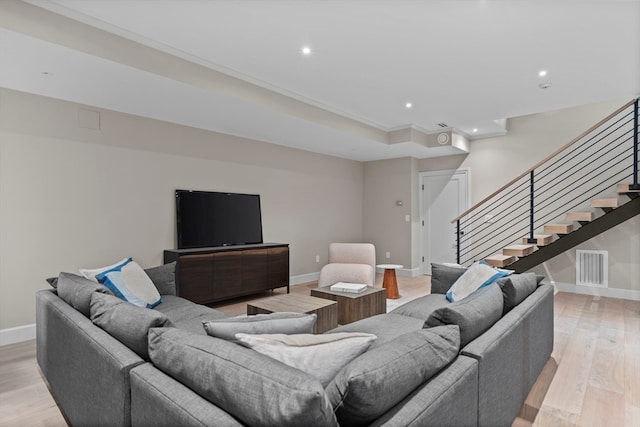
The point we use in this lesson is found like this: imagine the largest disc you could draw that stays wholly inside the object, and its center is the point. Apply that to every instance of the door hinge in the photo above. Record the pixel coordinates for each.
(422, 259)
(422, 187)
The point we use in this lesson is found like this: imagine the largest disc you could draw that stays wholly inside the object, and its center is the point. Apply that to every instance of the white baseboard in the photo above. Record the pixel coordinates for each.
(17, 334)
(304, 278)
(598, 291)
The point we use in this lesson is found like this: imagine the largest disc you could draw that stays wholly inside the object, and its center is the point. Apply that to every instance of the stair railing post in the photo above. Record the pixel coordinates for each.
(531, 206)
(635, 185)
(458, 241)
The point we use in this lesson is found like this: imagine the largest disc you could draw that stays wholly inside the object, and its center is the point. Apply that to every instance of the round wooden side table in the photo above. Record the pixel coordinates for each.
(389, 281)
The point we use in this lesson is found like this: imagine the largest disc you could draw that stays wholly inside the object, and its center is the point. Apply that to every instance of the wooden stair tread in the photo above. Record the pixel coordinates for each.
(500, 260)
(624, 188)
(519, 250)
(604, 203)
(558, 228)
(541, 239)
(579, 216)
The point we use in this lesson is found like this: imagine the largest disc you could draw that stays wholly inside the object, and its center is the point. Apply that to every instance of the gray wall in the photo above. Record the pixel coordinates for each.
(73, 197)
(530, 139)
(387, 182)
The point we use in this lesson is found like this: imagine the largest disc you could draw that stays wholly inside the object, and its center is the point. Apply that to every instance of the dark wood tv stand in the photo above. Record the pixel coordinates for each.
(205, 275)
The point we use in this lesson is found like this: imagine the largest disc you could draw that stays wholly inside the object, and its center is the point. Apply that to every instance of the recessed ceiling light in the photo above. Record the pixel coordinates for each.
(306, 50)
(475, 130)
(542, 73)
(408, 105)
(545, 85)
(47, 73)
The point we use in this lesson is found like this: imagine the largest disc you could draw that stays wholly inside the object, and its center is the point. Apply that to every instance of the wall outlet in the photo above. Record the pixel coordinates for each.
(388, 255)
(407, 218)
(317, 258)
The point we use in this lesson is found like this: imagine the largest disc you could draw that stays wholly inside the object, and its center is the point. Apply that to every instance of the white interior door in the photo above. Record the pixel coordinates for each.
(444, 197)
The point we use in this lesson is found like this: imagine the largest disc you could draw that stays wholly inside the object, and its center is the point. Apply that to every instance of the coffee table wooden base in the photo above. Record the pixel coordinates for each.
(326, 310)
(355, 306)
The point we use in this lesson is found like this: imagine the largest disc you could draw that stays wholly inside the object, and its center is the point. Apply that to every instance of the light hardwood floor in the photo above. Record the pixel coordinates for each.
(591, 379)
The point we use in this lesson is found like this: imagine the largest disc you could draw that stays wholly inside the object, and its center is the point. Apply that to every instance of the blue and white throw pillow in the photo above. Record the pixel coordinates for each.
(128, 281)
(480, 274)
(91, 273)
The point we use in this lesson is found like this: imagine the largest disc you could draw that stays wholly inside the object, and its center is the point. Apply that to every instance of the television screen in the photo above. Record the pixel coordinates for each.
(206, 219)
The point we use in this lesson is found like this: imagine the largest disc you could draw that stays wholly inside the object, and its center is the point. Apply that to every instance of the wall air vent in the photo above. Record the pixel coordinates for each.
(592, 268)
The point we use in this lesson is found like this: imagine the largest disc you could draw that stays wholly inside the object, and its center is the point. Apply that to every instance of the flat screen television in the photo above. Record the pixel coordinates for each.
(206, 219)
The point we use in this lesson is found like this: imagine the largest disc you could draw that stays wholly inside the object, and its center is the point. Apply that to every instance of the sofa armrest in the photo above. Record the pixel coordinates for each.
(72, 352)
(173, 403)
(450, 398)
(511, 355)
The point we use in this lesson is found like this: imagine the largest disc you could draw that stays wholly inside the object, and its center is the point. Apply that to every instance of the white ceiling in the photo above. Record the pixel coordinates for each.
(467, 64)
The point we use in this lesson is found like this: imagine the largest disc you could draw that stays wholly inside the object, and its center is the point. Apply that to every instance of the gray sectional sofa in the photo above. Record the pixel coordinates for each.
(470, 363)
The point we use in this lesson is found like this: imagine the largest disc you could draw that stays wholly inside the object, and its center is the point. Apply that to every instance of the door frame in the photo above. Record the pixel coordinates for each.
(462, 172)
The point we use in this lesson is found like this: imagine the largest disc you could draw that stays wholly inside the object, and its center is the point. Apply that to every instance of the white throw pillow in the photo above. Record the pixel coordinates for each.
(92, 273)
(480, 274)
(129, 282)
(319, 355)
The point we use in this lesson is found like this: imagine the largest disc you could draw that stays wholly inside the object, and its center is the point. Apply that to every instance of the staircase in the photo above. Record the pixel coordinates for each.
(524, 256)
(583, 189)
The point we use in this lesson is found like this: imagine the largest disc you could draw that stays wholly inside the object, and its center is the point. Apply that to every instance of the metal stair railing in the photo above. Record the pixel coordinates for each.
(587, 167)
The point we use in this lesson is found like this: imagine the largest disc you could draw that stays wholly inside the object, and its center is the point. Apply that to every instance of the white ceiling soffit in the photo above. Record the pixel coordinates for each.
(236, 66)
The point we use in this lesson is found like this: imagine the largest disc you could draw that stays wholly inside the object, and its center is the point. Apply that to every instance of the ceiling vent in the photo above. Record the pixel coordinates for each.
(443, 125)
(442, 138)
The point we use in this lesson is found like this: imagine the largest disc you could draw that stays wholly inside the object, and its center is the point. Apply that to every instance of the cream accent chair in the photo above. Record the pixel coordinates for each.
(351, 263)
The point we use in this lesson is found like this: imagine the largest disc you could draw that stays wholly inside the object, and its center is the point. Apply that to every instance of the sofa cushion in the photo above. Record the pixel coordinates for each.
(129, 282)
(474, 314)
(76, 291)
(421, 308)
(163, 278)
(274, 323)
(479, 275)
(319, 355)
(193, 324)
(375, 382)
(516, 288)
(179, 309)
(385, 326)
(255, 389)
(443, 276)
(126, 322)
